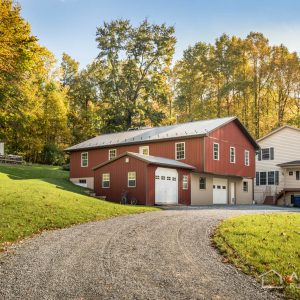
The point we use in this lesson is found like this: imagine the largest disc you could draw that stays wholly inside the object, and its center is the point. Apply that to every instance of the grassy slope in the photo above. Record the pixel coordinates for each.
(259, 243)
(33, 198)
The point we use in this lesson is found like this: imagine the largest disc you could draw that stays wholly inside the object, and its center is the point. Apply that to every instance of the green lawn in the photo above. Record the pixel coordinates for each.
(34, 198)
(259, 243)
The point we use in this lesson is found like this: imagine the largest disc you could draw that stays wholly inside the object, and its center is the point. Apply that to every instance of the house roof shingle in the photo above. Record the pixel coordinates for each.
(196, 128)
(290, 163)
(156, 160)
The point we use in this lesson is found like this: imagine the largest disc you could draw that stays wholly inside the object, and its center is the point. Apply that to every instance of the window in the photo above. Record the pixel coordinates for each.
(112, 153)
(247, 158)
(266, 154)
(263, 178)
(180, 150)
(232, 155)
(267, 178)
(105, 180)
(168, 177)
(216, 151)
(297, 175)
(144, 150)
(291, 173)
(257, 178)
(131, 179)
(271, 178)
(202, 183)
(163, 177)
(156, 176)
(185, 182)
(84, 159)
(245, 186)
(82, 181)
(173, 178)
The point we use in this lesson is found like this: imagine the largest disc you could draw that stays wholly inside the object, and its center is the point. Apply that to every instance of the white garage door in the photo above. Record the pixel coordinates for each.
(219, 191)
(166, 186)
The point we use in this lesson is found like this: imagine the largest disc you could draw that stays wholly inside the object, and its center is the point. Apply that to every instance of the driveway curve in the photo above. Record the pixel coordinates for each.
(157, 255)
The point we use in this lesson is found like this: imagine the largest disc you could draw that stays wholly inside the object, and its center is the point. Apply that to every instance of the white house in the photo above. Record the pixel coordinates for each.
(278, 167)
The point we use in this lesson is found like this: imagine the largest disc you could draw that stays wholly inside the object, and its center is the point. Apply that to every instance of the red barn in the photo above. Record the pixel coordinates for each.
(201, 162)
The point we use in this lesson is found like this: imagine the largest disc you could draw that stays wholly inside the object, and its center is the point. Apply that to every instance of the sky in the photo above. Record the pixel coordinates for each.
(70, 25)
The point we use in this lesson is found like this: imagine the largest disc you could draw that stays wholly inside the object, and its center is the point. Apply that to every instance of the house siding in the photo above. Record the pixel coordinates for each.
(286, 144)
(118, 180)
(228, 136)
(193, 155)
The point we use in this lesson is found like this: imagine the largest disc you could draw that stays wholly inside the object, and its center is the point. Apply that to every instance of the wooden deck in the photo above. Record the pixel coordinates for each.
(11, 159)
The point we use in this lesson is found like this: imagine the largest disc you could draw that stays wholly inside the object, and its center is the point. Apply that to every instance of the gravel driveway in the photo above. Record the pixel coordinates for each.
(157, 255)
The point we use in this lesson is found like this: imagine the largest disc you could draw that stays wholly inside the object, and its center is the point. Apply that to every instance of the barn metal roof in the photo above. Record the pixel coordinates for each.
(156, 160)
(196, 128)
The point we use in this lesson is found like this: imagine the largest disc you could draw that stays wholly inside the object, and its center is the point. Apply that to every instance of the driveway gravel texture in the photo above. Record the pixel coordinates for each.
(157, 255)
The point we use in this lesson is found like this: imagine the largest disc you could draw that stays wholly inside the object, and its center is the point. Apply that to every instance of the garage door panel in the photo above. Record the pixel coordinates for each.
(220, 191)
(166, 186)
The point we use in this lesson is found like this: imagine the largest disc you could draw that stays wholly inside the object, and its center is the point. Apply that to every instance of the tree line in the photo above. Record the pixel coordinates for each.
(133, 82)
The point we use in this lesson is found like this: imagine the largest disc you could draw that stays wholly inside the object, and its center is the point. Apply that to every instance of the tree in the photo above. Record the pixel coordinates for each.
(137, 65)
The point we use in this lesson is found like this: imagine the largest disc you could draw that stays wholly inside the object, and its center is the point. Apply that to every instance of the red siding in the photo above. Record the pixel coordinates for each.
(227, 136)
(144, 191)
(193, 155)
(118, 180)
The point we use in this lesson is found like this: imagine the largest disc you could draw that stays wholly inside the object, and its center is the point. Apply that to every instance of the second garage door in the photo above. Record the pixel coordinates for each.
(219, 191)
(166, 186)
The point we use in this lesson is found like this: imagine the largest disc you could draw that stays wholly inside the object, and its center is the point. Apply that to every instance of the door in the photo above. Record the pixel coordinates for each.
(232, 192)
(219, 191)
(166, 186)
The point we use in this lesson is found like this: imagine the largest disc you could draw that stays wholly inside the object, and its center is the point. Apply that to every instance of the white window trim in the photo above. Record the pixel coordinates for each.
(141, 148)
(109, 151)
(105, 187)
(87, 159)
(131, 186)
(187, 182)
(234, 160)
(183, 151)
(218, 151)
(247, 162)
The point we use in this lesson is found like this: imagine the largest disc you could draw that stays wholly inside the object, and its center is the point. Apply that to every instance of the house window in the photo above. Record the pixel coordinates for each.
(131, 179)
(185, 182)
(291, 173)
(297, 175)
(84, 159)
(247, 158)
(82, 181)
(232, 155)
(144, 150)
(112, 153)
(263, 178)
(105, 180)
(266, 154)
(202, 183)
(271, 178)
(180, 150)
(245, 186)
(257, 178)
(216, 151)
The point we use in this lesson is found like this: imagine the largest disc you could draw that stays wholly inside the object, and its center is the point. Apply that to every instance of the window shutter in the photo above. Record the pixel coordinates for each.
(272, 153)
(276, 177)
(257, 178)
(259, 154)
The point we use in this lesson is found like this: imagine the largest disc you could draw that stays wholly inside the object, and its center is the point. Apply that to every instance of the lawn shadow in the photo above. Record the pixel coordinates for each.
(50, 174)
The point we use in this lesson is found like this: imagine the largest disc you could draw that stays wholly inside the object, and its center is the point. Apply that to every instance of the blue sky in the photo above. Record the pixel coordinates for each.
(70, 25)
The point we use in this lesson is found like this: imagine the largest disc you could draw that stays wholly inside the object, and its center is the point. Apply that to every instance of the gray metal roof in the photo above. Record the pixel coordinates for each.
(161, 160)
(156, 160)
(196, 128)
(290, 163)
